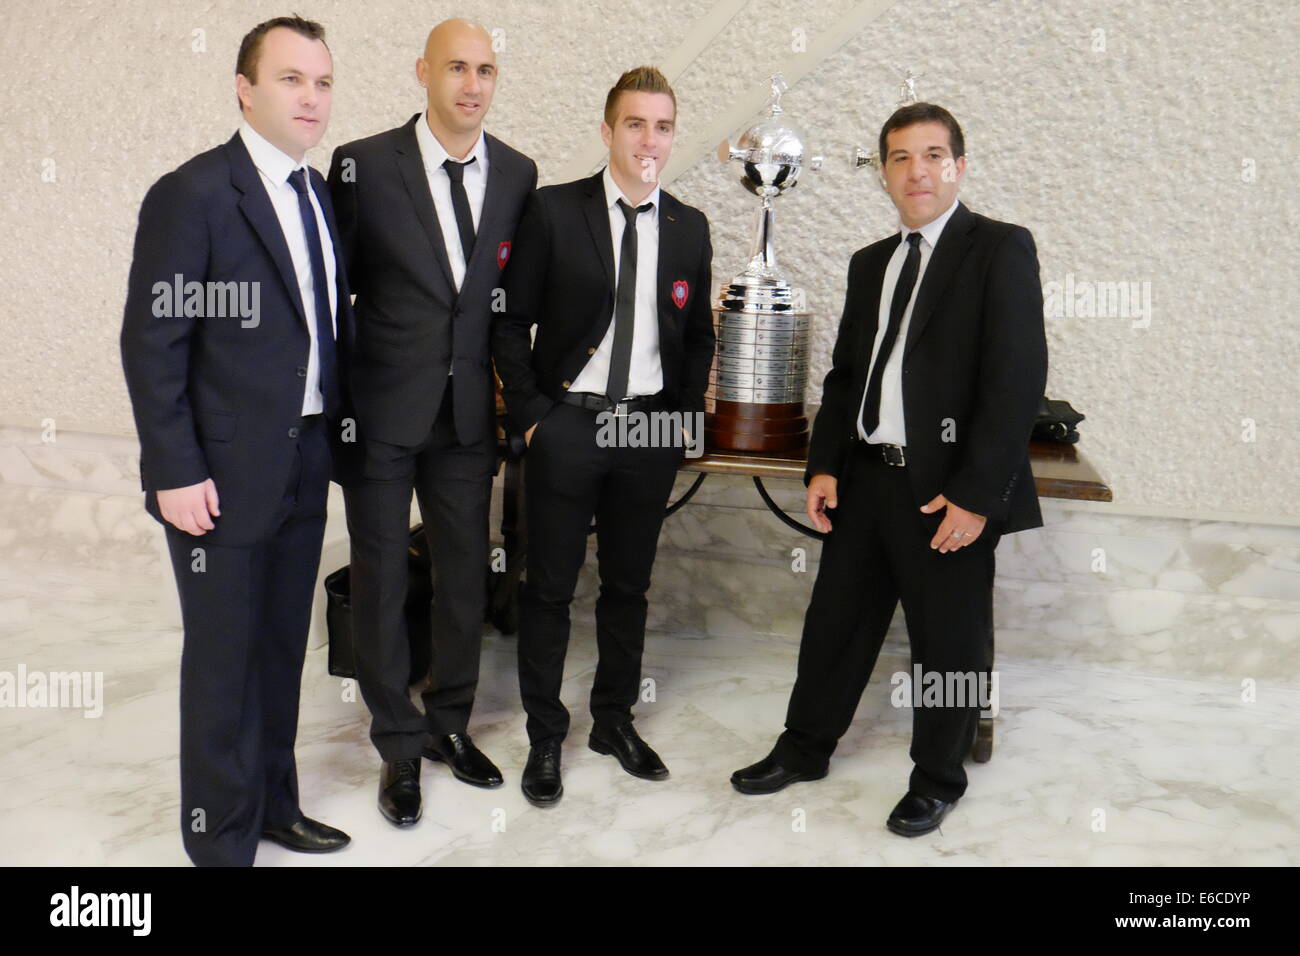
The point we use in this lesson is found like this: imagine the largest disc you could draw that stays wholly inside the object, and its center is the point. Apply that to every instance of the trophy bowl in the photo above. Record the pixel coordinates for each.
(772, 154)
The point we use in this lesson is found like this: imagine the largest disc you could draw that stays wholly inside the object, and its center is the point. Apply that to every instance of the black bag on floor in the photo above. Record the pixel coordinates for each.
(419, 613)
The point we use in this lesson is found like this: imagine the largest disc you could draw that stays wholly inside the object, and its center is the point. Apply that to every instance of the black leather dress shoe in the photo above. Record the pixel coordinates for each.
(917, 814)
(399, 792)
(307, 836)
(468, 764)
(768, 776)
(633, 753)
(541, 783)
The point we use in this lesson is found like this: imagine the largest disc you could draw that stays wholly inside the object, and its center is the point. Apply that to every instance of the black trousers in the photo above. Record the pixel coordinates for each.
(877, 553)
(246, 613)
(453, 483)
(569, 481)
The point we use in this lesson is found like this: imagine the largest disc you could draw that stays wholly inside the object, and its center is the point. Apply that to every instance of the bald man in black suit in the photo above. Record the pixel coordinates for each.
(427, 213)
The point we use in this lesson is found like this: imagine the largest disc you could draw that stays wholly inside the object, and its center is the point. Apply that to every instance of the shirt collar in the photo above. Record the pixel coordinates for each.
(931, 230)
(432, 152)
(271, 161)
(613, 194)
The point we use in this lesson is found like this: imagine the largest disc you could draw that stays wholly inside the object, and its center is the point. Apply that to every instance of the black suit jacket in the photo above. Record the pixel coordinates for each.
(561, 279)
(975, 354)
(412, 326)
(211, 398)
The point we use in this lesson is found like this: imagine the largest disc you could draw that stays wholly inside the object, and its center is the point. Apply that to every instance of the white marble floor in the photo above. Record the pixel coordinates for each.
(1092, 765)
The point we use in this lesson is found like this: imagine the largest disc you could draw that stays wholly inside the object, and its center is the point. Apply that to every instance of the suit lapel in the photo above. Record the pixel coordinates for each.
(870, 326)
(321, 188)
(487, 216)
(411, 165)
(597, 215)
(667, 270)
(256, 207)
(954, 242)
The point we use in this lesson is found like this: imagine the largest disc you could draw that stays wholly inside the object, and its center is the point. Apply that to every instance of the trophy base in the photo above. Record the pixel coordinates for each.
(746, 426)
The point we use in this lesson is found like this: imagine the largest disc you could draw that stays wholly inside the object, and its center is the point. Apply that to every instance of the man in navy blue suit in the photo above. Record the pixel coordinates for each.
(237, 318)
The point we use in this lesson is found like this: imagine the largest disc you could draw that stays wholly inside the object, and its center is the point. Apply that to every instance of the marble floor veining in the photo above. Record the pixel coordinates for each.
(1093, 764)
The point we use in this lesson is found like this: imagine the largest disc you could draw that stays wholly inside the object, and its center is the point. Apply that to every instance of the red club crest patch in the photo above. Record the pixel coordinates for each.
(680, 291)
(503, 254)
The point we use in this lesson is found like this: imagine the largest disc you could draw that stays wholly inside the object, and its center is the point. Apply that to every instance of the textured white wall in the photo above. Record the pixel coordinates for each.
(1123, 151)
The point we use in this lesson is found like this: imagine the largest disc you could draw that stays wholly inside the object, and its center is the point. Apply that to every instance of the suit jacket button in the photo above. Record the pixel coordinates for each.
(565, 384)
(293, 432)
(302, 371)
(591, 351)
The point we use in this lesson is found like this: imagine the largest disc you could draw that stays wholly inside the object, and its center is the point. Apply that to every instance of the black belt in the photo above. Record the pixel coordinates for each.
(889, 454)
(600, 403)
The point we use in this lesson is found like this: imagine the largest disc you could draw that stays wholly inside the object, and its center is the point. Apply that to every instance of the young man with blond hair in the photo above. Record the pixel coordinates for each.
(614, 274)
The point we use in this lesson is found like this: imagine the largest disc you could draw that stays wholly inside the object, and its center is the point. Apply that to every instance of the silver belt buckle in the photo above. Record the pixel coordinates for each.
(620, 409)
(888, 451)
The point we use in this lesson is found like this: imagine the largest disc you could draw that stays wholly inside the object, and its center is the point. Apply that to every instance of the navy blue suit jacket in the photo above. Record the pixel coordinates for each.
(217, 397)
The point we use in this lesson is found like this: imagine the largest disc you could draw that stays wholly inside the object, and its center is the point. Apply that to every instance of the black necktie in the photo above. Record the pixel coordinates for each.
(897, 306)
(460, 205)
(329, 381)
(620, 361)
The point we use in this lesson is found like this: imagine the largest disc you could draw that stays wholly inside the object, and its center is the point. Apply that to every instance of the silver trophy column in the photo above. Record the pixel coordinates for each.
(760, 371)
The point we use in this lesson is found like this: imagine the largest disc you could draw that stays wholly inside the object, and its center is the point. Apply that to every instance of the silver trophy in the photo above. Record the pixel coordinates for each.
(761, 321)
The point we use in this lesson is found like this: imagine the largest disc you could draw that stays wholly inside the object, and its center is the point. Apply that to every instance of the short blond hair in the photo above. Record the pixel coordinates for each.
(640, 79)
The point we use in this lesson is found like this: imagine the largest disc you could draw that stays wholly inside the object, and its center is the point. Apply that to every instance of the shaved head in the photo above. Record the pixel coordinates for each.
(459, 71)
(447, 32)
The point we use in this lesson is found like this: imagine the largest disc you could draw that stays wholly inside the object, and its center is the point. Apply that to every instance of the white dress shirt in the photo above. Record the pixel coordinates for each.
(475, 179)
(274, 166)
(646, 376)
(892, 429)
